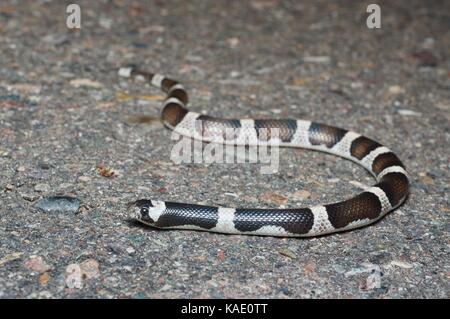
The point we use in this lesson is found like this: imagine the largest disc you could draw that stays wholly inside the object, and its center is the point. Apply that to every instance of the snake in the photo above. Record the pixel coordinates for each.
(368, 206)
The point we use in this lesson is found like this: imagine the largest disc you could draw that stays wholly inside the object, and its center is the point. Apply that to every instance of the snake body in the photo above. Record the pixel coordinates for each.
(389, 192)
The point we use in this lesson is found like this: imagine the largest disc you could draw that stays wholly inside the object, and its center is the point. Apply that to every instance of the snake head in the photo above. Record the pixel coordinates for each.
(140, 210)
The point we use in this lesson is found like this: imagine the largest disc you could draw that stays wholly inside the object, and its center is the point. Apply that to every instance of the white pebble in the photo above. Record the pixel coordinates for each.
(405, 112)
(42, 188)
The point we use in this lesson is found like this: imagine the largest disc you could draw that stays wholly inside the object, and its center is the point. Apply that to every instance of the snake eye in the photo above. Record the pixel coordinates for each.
(144, 211)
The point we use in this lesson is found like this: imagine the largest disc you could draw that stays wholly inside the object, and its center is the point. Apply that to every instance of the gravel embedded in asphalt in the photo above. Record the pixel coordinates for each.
(70, 126)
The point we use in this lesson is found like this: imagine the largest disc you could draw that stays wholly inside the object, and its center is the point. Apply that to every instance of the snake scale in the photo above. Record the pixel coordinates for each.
(370, 205)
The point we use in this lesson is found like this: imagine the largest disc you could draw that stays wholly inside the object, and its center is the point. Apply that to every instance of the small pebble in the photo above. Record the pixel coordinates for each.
(309, 268)
(301, 195)
(356, 85)
(37, 264)
(366, 268)
(273, 198)
(427, 180)
(29, 197)
(58, 204)
(130, 250)
(42, 188)
(85, 83)
(232, 194)
(10, 257)
(286, 252)
(221, 255)
(334, 180)
(90, 269)
(24, 88)
(358, 184)
(84, 179)
(408, 113)
(401, 264)
(128, 268)
(74, 276)
(166, 287)
(316, 59)
(44, 165)
(105, 23)
(396, 89)
(44, 278)
(233, 42)
(373, 281)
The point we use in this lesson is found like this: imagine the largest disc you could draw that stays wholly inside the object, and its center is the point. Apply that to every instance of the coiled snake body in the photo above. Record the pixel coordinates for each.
(363, 209)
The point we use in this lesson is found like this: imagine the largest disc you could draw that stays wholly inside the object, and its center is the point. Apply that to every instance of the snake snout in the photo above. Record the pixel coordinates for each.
(139, 210)
(133, 211)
